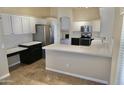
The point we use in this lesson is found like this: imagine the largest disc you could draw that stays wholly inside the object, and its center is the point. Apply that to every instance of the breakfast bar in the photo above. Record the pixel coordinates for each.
(91, 63)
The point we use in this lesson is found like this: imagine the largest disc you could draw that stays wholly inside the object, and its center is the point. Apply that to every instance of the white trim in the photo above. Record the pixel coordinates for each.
(2, 77)
(14, 64)
(122, 13)
(80, 76)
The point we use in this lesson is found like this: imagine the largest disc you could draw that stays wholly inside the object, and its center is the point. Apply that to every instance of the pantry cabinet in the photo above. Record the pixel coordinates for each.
(17, 24)
(6, 24)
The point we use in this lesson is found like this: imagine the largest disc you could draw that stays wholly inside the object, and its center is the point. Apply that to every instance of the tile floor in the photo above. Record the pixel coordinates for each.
(35, 74)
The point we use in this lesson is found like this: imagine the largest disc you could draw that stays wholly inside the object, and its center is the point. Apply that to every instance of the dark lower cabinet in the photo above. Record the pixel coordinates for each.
(85, 41)
(74, 41)
(32, 54)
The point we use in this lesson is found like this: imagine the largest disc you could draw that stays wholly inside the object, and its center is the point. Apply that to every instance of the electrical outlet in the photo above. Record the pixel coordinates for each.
(2, 46)
(67, 65)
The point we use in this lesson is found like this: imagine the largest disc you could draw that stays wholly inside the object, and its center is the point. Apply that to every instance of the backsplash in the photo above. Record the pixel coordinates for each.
(11, 41)
(76, 26)
(77, 34)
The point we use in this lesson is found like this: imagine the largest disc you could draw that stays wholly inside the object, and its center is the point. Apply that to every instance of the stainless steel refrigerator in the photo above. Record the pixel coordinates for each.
(44, 34)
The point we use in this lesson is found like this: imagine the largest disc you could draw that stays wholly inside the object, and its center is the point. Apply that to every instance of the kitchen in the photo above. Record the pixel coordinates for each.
(72, 36)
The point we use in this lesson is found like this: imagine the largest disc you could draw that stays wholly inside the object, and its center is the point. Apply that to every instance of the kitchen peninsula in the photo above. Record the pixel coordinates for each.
(91, 63)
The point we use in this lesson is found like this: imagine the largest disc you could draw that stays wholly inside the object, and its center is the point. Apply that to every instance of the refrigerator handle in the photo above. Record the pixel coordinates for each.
(44, 35)
(50, 35)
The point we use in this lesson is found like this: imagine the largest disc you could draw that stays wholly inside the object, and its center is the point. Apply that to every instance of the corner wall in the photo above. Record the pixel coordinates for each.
(4, 72)
(117, 35)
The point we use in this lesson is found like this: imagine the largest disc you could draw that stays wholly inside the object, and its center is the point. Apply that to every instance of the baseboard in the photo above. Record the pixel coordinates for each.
(14, 64)
(5, 76)
(79, 76)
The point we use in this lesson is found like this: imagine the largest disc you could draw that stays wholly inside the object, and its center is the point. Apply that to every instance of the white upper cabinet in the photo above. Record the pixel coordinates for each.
(65, 23)
(34, 21)
(6, 24)
(17, 24)
(14, 24)
(107, 16)
(122, 11)
(96, 25)
(26, 24)
(40, 21)
(32, 25)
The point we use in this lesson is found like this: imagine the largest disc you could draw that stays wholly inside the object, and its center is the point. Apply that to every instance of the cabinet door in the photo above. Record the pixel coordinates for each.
(96, 26)
(106, 21)
(32, 25)
(40, 21)
(6, 24)
(65, 23)
(26, 24)
(17, 24)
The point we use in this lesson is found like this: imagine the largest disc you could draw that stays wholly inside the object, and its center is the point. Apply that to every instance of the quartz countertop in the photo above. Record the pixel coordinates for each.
(14, 50)
(18, 49)
(94, 49)
(31, 43)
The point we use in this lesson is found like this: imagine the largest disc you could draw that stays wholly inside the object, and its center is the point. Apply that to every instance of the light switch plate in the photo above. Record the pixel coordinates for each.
(2, 46)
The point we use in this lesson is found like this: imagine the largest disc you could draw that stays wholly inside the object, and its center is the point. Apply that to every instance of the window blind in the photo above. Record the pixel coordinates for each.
(121, 58)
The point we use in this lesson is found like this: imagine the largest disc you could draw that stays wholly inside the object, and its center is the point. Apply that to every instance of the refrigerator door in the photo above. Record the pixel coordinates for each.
(52, 34)
(47, 34)
(39, 35)
(44, 34)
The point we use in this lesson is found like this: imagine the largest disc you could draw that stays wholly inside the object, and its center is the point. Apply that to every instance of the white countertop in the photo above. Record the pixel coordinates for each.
(31, 43)
(14, 50)
(18, 49)
(90, 50)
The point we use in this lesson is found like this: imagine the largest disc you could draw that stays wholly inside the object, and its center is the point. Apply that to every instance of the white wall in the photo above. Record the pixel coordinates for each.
(85, 14)
(80, 65)
(107, 16)
(11, 41)
(14, 40)
(107, 21)
(64, 12)
(76, 15)
(117, 33)
(3, 59)
(38, 12)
